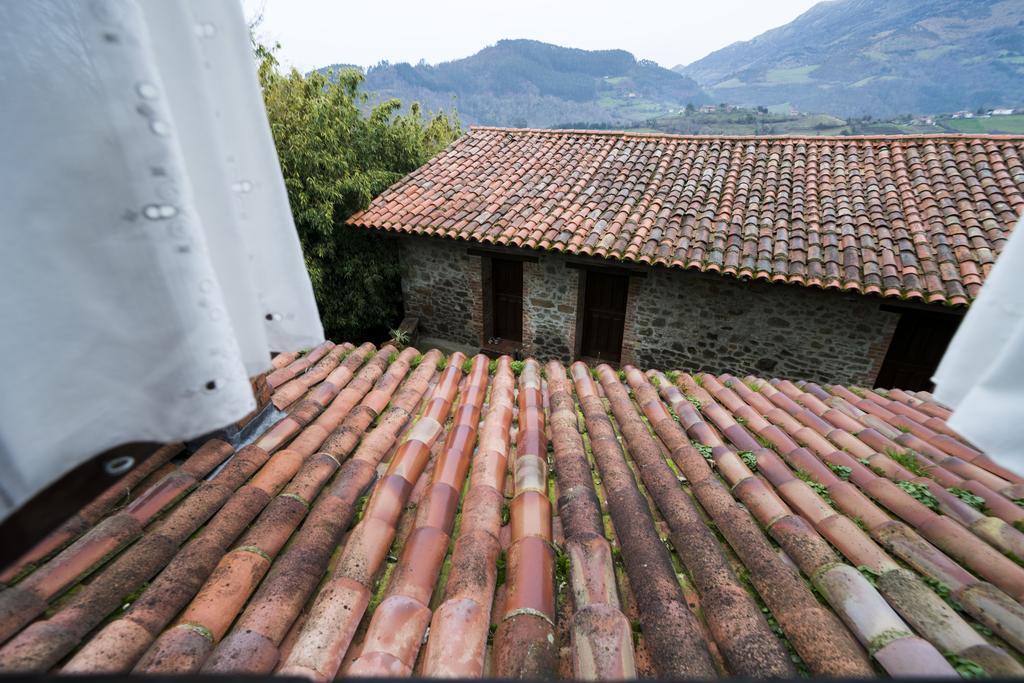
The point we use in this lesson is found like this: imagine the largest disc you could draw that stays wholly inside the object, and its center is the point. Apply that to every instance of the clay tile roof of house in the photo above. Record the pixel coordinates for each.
(915, 217)
(415, 514)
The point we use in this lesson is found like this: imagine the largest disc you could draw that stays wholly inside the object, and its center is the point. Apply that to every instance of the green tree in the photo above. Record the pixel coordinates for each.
(335, 159)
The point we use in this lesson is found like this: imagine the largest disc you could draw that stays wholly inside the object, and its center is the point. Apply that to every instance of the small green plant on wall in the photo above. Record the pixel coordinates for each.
(401, 338)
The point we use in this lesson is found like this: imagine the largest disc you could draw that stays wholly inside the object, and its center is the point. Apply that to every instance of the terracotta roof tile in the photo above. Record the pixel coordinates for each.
(594, 524)
(915, 217)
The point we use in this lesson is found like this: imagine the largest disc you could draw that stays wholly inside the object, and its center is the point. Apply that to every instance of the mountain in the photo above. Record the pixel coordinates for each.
(529, 83)
(879, 58)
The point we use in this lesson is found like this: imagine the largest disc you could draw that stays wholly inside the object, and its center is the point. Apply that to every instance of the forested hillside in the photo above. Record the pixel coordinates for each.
(878, 57)
(529, 83)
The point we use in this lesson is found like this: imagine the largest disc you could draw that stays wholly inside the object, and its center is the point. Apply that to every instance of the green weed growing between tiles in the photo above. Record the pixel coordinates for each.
(920, 493)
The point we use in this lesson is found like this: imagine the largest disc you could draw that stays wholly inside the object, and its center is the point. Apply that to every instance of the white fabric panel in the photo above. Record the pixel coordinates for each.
(130, 272)
(224, 78)
(204, 56)
(186, 92)
(981, 375)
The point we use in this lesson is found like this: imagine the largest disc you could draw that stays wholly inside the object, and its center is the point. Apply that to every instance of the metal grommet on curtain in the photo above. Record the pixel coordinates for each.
(119, 465)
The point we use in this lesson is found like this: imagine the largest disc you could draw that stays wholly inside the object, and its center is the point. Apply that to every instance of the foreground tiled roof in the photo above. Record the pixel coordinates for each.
(415, 514)
(915, 217)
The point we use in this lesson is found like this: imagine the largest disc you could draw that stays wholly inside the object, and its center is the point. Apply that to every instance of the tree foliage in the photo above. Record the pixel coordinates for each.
(335, 159)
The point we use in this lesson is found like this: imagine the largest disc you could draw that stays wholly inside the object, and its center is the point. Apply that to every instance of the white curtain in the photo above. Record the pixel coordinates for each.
(982, 374)
(148, 259)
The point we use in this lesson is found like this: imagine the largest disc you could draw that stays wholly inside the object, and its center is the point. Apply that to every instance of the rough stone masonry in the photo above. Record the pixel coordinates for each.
(674, 319)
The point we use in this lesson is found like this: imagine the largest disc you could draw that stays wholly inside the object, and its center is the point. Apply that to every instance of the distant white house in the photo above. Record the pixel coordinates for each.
(1001, 112)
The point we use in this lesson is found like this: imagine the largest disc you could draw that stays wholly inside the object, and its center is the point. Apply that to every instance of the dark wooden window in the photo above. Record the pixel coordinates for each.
(604, 315)
(916, 348)
(507, 299)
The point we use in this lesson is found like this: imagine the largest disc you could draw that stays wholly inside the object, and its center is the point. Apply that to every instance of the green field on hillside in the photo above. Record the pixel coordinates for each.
(1013, 124)
(782, 120)
(746, 122)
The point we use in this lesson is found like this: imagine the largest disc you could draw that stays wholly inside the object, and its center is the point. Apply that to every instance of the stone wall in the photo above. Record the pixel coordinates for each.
(674, 319)
(550, 297)
(441, 285)
(713, 323)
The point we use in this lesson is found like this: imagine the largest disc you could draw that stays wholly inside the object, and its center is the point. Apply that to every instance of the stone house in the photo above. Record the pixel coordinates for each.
(831, 259)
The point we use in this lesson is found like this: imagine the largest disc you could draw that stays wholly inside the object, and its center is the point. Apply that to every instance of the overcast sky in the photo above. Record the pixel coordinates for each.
(315, 33)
